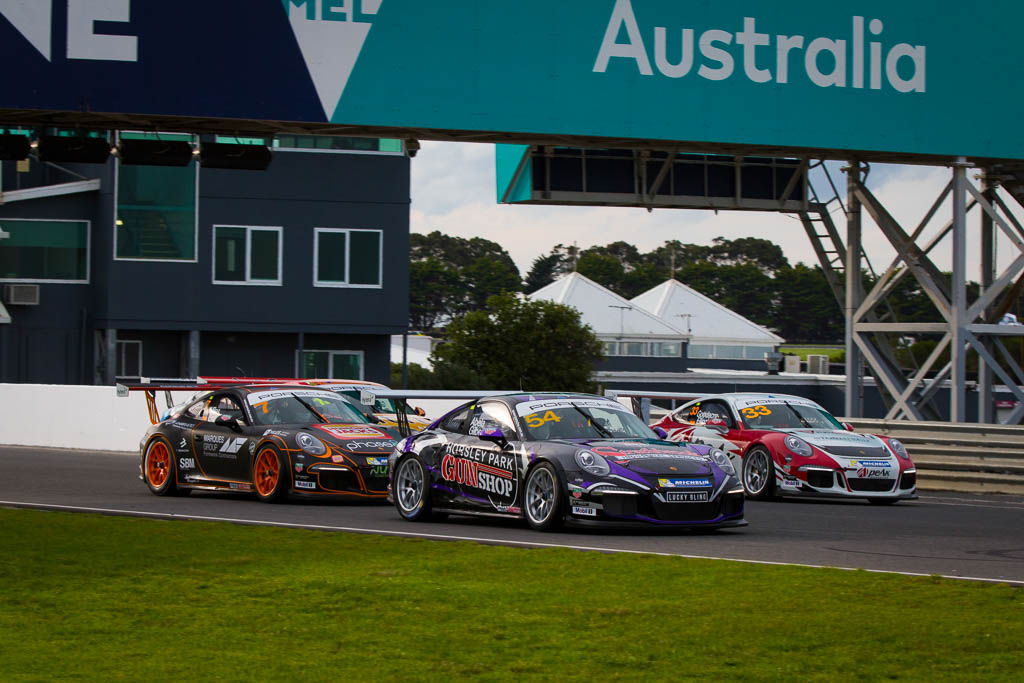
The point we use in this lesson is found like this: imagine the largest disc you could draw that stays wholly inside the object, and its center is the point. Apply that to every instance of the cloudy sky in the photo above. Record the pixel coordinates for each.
(453, 190)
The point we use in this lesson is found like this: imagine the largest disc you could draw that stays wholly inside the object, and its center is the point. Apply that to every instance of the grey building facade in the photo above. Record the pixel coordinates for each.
(300, 269)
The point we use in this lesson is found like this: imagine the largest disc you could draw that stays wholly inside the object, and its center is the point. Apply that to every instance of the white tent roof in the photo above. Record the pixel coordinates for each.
(709, 321)
(607, 313)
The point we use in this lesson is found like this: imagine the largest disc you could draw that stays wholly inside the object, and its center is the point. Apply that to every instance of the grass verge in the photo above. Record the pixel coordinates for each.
(100, 598)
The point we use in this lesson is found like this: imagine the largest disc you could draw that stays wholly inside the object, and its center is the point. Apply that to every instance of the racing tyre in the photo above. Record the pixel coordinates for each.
(543, 500)
(759, 474)
(883, 501)
(271, 477)
(160, 470)
(412, 491)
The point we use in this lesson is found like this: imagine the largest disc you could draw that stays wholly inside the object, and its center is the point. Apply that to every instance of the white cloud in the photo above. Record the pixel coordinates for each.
(453, 190)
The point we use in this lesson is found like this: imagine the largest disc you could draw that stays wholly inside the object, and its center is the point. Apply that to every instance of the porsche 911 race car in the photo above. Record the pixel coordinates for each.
(363, 394)
(788, 445)
(268, 440)
(560, 458)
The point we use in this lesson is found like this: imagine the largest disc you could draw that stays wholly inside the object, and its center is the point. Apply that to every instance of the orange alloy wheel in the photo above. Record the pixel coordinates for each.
(267, 472)
(158, 464)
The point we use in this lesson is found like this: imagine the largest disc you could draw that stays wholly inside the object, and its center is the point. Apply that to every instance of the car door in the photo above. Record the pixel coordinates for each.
(486, 473)
(223, 451)
(713, 424)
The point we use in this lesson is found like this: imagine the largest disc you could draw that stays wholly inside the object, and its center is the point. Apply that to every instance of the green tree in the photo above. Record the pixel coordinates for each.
(521, 344)
(806, 309)
(546, 269)
(764, 254)
(449, 276)
(604, 269)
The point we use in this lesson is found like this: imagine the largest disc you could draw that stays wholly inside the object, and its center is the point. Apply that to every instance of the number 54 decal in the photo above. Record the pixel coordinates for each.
(755, 411)
(536, 419)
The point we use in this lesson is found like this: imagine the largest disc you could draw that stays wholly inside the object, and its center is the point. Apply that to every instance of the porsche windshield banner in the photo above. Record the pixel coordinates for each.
(846, 75)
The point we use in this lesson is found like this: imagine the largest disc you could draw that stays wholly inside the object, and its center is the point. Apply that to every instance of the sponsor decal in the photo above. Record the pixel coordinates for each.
(351, 432)
(585, 511)
(867, 473)
(298, 467)
(682, 483)
(240, 486)
(382, 446)
(478, 468)
(789, 483)
(530, 407)
(376, 461)
(264, 396)
(686, 496)
(337, 458)
(234, 445)
(305, 485)
(186, 463)
(275, 432)
(216, 446)
(183, 444)
(577, 494)
(776, 402)
(180, 425)
(869, 463)
(645, 454)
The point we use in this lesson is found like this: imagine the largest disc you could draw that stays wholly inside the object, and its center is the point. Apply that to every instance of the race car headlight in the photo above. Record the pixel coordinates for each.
(798, 446)
(899, 449)
(310, 444)
(592, 463)
(723, 461)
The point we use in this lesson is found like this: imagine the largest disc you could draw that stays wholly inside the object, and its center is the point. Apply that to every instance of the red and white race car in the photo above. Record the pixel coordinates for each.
(788, 445)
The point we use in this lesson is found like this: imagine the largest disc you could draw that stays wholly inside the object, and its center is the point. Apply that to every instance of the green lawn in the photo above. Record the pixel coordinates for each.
(99, 598)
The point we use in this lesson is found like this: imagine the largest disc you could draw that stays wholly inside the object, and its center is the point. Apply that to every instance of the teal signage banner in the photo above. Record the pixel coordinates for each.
(936, 78)
(907, 77)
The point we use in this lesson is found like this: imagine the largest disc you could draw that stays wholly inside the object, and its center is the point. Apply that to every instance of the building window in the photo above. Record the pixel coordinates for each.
(667, 349)
(700, 351)
(332, 143)
(332, 364)
(156, 208)
(347, 258)
(756, 352)
(129, 358)
(727, 351)
(44, 251)
(246, 255)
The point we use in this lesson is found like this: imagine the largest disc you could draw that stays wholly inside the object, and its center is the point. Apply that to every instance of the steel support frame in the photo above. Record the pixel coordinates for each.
(962, 327)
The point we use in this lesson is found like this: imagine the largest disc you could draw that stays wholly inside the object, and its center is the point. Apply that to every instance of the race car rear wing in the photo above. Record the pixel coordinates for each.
(151, 385)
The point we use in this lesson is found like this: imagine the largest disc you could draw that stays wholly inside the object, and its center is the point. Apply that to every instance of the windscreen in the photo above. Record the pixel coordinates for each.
(580, 419)
(289, 406)
(787, 415)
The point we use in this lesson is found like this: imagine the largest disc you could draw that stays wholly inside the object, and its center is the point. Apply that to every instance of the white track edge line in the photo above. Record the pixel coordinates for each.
(490, 541)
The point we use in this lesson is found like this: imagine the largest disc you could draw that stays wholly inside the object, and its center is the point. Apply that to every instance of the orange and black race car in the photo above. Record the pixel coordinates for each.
(271, 440)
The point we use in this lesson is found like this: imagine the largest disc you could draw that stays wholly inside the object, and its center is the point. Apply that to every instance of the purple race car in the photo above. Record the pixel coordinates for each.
(557, 459)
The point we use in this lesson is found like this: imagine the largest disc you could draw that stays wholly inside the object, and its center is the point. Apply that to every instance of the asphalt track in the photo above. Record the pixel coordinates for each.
(956, 535)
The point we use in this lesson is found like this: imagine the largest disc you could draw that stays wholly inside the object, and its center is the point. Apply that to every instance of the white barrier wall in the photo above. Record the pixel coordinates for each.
(94, 418)
(63, 416)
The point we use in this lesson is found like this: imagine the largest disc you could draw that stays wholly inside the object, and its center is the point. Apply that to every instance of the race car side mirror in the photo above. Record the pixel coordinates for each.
(226, 421)
(419, 411)
(662, 434)
(717, 424)
(847, 426)
(494, 436)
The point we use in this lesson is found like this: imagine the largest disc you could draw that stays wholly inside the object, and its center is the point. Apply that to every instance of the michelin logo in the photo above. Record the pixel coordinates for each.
(330, 34)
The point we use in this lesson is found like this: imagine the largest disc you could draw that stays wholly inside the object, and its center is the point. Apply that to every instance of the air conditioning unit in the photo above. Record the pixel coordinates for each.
(817, 365)
(791, 364)
(21, 295)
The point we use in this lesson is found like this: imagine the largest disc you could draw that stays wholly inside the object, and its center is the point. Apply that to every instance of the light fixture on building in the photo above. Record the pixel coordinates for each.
(73, 149)
(155, 152)
(232, 156)
(13, 147)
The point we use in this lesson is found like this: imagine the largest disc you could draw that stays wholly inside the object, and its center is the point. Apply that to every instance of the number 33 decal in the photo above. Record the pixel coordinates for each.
(755, 411)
